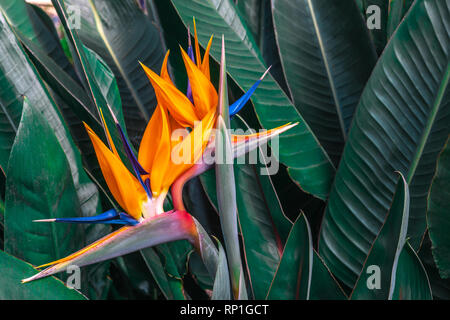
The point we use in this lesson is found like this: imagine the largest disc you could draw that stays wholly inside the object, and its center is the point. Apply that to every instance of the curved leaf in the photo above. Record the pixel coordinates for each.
(263, 224)
(327, 57)
(39, 186)
(411, 281)
(9, 121)
(299, 149)
(378, 16)
(401, 124)
(323, 285)
(13, 270)
(438, 213)
(28, 19)
(397, 10)
(18, 77)
(386, 249)
(97, 79)
(439, 287)
(294, 273)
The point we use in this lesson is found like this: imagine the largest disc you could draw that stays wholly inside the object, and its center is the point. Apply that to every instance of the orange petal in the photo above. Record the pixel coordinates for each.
(203, 92)
(205, 63)
(164, 72)
(194, 144)
(162, 156)
(169, 96)
(108, 135)
(125, 188)
(197, 47)
(150, 140)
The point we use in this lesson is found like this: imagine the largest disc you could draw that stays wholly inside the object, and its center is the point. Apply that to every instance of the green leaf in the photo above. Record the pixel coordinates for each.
(323, 285)
(378, 16)
(263, 224)
(411, 281)
(34, 24)
(98, 80)
(9, 121)
(299, 149)
(269, 48)
(13, 270)
(160, 266)
(385, 250)
(19, 77)
(294, 273)
(122, 35)
(251, 11)
(75, 104)
(199, 272)
(60, 82)
(325, 82)
(439, 287)
(39, 186)
(401, 124)
(221, 289)
(438, 213)
(397, 9)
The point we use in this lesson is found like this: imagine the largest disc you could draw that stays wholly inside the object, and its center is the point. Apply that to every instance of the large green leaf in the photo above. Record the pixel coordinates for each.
(396, 12)
(39, 186)
(38, 35)
(18, 77)
(294, 273)
(327, 56)
(263, 224)
(9, 121)
(122, 35)
(411, 279)
(323, 285)
(13, 270)
(268, 45)
(438, 213)
(378, 14)
(164, 272)
(97, 79)
(251, 12)
(29, 20)
(440, 287)
(299, 149)
(401, 124)
(386, 249)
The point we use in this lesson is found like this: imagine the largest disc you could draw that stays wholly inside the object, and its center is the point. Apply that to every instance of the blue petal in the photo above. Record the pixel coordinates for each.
(108, 217)
(238, 104)
(190, 53)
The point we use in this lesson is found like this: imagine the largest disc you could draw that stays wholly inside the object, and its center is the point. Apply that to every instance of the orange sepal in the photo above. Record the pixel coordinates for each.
(125, 188)
(170, 97)
(203, 92)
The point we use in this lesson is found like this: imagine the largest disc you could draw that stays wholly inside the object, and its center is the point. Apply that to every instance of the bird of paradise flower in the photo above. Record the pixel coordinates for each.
(141, 195)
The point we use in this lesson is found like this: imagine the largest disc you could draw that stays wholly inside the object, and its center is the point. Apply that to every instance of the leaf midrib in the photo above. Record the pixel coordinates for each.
(429, 125)
(117, 63)
(327, 68)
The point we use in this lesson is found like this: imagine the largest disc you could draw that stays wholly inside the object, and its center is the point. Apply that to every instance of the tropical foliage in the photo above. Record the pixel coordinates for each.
(350, 202)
